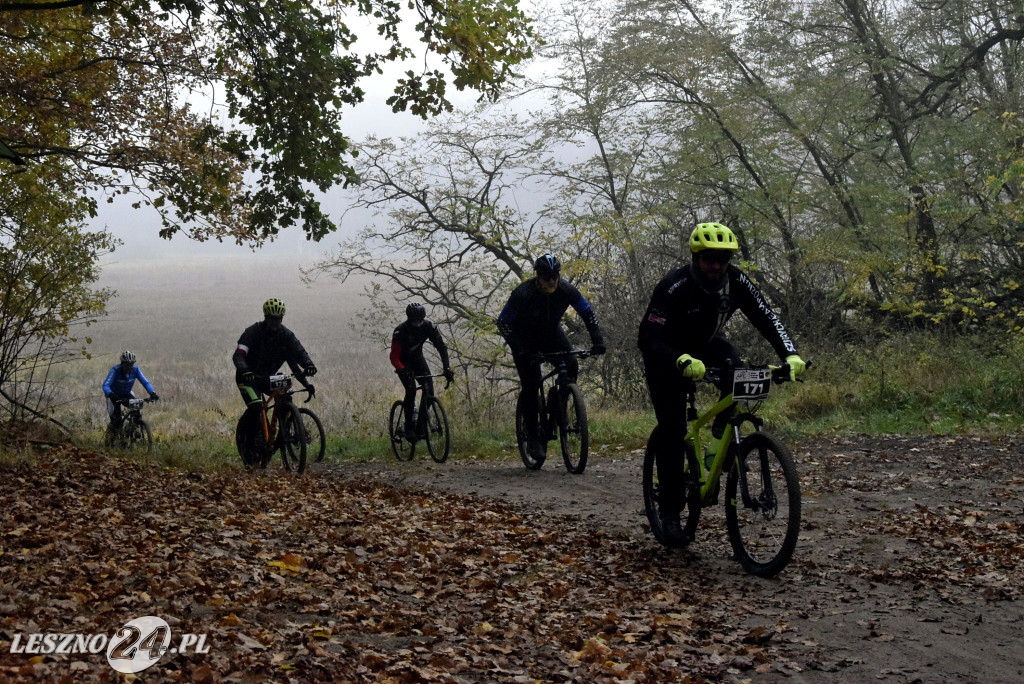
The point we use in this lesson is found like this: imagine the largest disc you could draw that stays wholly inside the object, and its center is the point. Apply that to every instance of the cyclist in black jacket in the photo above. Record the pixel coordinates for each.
(407, 358)
(531, 323)
(261, 350)
(681, 331)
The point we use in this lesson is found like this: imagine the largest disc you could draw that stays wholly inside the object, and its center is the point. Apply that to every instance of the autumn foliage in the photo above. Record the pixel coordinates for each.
(337, 577)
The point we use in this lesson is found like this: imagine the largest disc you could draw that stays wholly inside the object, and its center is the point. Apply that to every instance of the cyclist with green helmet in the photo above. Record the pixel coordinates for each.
(681, 331)
(261, 350)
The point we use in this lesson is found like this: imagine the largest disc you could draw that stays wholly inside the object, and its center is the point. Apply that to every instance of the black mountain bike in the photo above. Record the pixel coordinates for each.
(133, 432)
(562, 415)
(431, 425)
(281, 427)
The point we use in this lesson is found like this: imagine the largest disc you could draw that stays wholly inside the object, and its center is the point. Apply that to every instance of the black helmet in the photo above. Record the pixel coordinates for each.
(415, 312)
(547, 265)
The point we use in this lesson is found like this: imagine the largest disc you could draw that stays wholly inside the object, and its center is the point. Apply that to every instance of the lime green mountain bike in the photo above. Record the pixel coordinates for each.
(762, 490)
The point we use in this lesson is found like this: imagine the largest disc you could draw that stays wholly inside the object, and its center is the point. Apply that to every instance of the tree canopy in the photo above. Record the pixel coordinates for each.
(868, 156)
(226, 116)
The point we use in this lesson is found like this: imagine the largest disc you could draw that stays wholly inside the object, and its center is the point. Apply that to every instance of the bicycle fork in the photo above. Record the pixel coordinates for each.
(765, 501)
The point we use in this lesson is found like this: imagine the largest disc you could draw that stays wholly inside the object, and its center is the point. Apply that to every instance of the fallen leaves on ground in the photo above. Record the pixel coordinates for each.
(310, 579)
(321, 578)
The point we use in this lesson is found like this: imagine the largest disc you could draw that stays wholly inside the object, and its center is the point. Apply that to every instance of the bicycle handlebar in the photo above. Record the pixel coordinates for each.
(124, 402)
(714, 374)
(548, 356)
(307, 390)
(447, 382)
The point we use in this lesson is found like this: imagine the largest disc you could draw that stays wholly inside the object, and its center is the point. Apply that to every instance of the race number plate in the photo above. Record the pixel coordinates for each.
(750, 383)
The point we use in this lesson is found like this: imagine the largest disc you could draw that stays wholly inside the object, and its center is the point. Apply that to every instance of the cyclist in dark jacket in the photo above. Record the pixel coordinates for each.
(261, 350)
(119, 383)
(531, 323)
(681, 331)
(407, 357)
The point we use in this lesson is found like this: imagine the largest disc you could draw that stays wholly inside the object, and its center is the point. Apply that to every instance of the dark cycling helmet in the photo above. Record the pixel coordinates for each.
(547, 264)
(127, 357)
(273, 307)
(415, 312)
(712, 236)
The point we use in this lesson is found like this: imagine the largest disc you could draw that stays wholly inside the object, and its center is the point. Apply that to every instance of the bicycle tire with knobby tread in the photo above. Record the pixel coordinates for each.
(402, 448)
(573, 429)
(438, 435)
(522, 439)
(252, 449)
(291, 437)
(316, 436)
(652, 503)
(140, 436)
(763, 538)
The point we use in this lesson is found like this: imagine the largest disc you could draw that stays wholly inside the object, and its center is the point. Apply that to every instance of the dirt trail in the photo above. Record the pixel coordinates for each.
(910, 566)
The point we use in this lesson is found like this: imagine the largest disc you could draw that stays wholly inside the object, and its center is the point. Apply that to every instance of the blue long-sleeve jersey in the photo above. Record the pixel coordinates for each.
(120, 384)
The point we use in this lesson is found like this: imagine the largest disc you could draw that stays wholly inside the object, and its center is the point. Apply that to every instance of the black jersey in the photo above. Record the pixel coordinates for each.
(532, 318)
(261, 351)
(407, 343)
(683, 316)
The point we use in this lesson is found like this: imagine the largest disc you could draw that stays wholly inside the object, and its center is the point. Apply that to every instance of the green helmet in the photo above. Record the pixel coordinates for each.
(273, 307)
(712, 236)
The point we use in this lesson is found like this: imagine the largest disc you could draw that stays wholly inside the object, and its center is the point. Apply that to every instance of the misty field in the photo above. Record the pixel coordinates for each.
(183, 320)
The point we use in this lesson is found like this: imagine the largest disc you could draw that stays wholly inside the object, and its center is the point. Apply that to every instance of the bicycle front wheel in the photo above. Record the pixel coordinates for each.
(523, 439)
(140, 436)
(291, 437)
(573, 429)
(762, 505)
(653, 490)
(403, 448)
(438, 438)
(316, 437)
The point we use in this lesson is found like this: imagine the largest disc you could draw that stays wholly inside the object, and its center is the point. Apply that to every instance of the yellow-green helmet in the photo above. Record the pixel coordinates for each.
(712, 236)
(273, 307)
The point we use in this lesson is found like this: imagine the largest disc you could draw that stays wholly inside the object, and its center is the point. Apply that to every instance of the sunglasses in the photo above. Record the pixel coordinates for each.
(716, 257)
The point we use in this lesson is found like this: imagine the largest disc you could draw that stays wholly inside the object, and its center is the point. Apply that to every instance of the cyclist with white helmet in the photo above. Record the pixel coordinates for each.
(531, 323)
(260, 351)
(407, 357)
(120, 382)
(681, 331)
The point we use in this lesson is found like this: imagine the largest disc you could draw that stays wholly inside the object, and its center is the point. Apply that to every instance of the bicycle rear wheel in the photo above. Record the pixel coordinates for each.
(573, 429)
(139, 436)
(523, 439)
(652, 490)
(316, 437)
(438, 438)
(762, 505)
(403, 448)
(291, 437)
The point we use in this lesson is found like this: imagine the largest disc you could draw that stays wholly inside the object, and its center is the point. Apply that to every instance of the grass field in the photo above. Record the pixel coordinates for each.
(183, 320)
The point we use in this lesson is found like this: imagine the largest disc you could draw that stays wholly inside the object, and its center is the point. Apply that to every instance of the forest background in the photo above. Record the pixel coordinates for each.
(869, 157)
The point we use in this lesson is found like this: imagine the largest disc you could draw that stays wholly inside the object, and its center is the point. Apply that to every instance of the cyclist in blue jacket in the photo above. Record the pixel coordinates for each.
(119, 383)
(531, 323)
